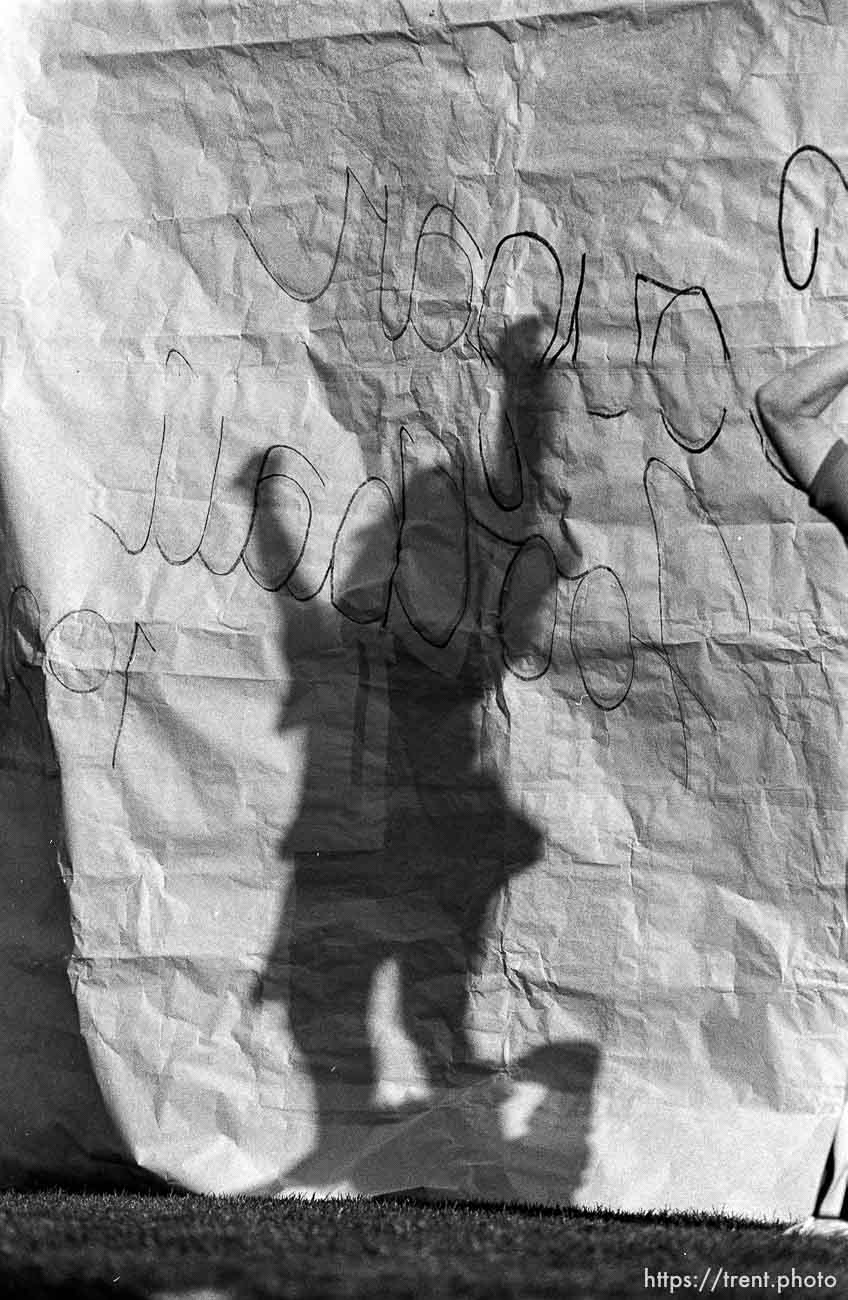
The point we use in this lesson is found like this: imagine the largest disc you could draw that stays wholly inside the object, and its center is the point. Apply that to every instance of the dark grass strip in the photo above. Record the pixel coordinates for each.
(241, 1248)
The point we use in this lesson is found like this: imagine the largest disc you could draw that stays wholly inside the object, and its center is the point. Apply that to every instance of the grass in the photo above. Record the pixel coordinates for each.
(123, 1245)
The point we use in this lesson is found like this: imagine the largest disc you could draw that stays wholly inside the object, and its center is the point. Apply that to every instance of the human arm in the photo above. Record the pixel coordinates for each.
(791, 407)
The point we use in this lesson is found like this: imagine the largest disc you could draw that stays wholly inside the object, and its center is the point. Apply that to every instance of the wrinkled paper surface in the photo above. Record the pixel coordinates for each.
(422, 727)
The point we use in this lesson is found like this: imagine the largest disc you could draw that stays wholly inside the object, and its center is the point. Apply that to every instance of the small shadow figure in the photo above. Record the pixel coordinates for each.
(405, 899)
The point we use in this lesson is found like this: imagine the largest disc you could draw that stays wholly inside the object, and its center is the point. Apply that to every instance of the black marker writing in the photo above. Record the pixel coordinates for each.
(138, 630)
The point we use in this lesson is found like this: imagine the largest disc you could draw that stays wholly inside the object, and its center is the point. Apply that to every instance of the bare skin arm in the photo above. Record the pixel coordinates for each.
(791, 407)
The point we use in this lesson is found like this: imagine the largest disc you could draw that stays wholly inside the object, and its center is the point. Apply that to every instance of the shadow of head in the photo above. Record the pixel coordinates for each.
(530, 403)
(520, 348)
(565, 1067)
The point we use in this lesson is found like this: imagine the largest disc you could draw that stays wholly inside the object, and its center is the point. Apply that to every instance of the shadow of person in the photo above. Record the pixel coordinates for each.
(406, 837)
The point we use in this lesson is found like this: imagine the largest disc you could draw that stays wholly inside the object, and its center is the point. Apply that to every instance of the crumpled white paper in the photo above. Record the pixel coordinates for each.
(435, 689)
